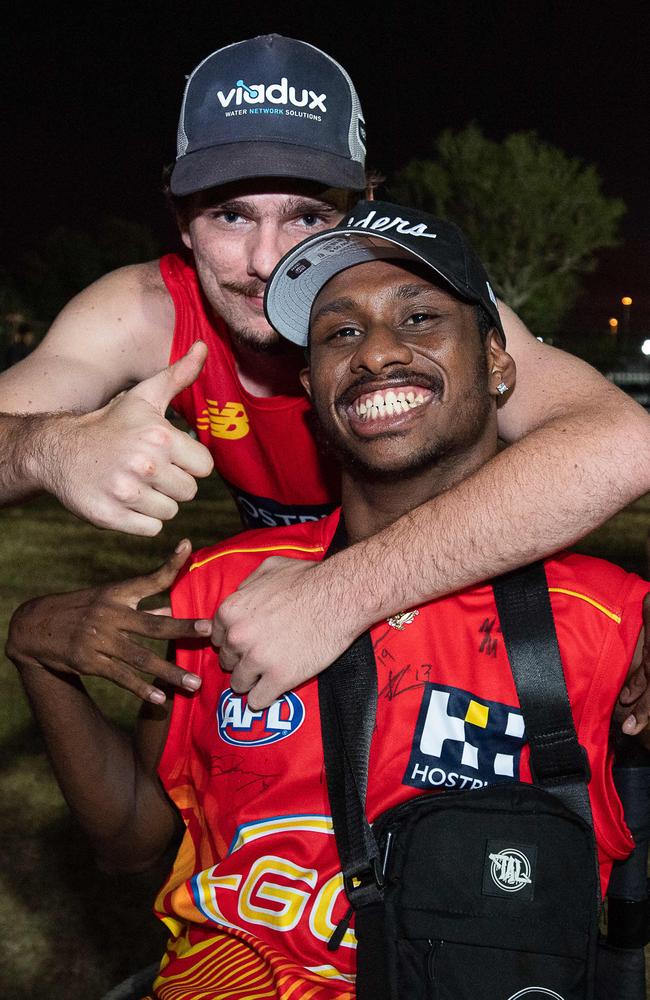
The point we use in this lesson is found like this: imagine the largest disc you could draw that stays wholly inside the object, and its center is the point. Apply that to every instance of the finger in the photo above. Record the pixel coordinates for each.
(152, 503)
(159, 611)
(161, 388)
(129, 522)
(218, 636)
(125, 678)
(190, 455)
(241, 682)
(159, 580)
(134, 656)
(262, 694)
(228, 660)
(631, 727)
(174, 483)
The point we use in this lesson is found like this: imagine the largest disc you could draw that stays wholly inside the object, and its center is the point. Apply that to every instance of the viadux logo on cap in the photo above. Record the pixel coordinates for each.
(272, 93)
(240, 726)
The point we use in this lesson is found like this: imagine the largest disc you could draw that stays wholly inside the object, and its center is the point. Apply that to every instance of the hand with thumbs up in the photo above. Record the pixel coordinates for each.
(125, 466)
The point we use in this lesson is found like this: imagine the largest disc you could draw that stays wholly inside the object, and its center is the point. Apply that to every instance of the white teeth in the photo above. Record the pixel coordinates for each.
(386, 405)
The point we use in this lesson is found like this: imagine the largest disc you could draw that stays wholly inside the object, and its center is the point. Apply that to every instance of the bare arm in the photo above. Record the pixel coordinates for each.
(108, 778)
(579, 454)
(114, 461)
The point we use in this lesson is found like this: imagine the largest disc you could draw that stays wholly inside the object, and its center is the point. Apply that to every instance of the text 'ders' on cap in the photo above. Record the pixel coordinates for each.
(374, 231)
(269, 106)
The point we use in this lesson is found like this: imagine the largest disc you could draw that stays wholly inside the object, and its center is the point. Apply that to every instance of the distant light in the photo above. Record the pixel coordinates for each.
(645, 348)
(613, 322)
(626, 301)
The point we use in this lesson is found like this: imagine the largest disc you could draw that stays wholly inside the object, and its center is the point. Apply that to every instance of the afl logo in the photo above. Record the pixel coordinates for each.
(510, 870)
(241, 726)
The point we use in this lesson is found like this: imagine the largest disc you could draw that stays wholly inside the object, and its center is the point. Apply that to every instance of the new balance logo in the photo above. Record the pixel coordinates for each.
(230, 421)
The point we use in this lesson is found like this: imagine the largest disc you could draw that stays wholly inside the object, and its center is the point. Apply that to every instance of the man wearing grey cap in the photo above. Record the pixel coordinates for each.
(271, 147)
(407, 364)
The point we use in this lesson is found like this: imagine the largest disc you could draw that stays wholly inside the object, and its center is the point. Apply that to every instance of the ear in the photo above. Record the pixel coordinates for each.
(501, 367)
(184, 231)
(305, 381)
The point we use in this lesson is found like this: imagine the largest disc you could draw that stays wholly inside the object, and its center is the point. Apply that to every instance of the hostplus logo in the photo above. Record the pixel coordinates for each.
(281, 95)
(461, 741)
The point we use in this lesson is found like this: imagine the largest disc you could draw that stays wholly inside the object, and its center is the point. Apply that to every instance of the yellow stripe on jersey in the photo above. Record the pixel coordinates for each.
(264, 548)
(589, 600)
(262, 828)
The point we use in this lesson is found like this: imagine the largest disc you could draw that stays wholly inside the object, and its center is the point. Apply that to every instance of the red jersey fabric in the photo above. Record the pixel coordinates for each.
(256, 892)
(262, 446)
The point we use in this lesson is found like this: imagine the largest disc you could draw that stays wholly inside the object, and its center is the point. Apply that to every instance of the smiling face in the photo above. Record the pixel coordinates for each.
(399, 376)
(238, 233)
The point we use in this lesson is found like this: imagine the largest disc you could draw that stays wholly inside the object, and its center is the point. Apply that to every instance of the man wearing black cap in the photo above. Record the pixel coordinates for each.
(407, 364)
(271, 146)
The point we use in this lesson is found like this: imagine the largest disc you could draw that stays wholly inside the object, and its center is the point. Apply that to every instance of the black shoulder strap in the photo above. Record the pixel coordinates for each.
(347, 693)
(558, 762)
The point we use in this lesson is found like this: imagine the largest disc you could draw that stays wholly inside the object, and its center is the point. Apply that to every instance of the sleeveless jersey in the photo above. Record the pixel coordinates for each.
(262, 446)
(256, 892)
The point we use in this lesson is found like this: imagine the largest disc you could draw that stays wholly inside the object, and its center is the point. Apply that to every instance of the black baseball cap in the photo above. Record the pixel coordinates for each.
(269, 106)
(376, 230)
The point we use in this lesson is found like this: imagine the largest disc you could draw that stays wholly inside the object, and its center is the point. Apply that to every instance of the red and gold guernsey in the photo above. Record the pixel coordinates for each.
(255, 892)
(262, 446)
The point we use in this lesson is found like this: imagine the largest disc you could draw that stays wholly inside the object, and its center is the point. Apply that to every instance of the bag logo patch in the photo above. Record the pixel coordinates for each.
(462, 741)
(509, 869)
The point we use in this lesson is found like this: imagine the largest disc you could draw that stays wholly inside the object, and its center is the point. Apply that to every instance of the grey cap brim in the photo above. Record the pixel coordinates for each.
(300, 275)
(216, 165)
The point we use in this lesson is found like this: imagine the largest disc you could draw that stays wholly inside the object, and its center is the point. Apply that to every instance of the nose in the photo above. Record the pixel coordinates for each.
(380, 348)
(266, 246)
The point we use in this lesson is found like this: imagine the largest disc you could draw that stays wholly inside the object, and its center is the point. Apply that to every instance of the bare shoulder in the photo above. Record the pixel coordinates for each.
(113, 334)
(130, 303)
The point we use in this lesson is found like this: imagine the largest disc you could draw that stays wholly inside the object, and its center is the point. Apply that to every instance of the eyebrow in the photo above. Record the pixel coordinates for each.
(298, 205)
(345, 304)
(338, 306)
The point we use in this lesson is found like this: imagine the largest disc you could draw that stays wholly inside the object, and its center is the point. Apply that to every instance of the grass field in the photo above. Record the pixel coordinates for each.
(67, 931)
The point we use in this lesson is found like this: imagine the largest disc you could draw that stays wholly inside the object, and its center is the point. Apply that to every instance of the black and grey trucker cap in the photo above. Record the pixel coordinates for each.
(269, 106)
(375, 230)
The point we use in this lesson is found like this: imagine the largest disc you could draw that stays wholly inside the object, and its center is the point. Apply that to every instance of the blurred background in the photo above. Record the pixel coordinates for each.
(524, 122)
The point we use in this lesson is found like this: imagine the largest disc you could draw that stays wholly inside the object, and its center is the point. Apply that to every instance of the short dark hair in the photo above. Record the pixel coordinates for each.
(484, 322)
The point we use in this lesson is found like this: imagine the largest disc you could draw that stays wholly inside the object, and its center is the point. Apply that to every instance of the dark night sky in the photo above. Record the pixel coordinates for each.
(92, 98)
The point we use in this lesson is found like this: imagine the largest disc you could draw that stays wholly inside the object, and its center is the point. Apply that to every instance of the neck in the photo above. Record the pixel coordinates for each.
(269, 373)
(370, 506)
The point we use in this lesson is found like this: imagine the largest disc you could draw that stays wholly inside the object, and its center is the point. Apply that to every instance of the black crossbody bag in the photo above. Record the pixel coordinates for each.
(490, 894)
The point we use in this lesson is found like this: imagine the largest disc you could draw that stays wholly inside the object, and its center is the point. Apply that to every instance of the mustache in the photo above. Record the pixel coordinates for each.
(254, 288)
(397, 377)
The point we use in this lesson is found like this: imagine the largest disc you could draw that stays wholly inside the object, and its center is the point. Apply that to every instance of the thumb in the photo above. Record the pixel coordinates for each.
(160, 389)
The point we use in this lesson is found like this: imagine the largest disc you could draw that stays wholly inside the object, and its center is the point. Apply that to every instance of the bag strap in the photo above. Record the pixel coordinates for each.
(347, 694)
(557, 761)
